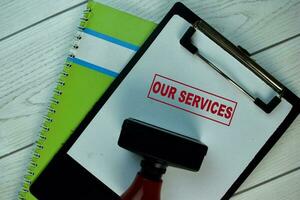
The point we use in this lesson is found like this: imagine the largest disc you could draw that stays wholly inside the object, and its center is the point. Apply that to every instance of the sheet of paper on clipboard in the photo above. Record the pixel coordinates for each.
(168, 86)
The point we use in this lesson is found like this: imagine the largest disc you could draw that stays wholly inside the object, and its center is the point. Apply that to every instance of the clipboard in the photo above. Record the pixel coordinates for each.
(273, 104)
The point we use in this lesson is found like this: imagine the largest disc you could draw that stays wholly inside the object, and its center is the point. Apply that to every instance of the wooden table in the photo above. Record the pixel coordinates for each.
(35, 36)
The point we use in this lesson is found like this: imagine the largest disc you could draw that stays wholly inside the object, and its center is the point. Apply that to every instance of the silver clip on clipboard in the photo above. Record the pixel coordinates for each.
(241, 56)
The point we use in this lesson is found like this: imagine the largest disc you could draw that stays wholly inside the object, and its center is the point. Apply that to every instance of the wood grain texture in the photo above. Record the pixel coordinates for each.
(285, 154)
(282, 62)
(283, 157)
(252, 24)
(16, 15)
(285, 188)
(31, 61)
(12, 172)
(29, 67)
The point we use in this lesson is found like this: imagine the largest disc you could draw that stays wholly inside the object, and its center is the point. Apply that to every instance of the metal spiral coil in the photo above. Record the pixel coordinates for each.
(27, 181)
(57, 92)
(54, 100)
(62, 83)
(48, 119)
(33, 164)
(45, 128)
(65, 73)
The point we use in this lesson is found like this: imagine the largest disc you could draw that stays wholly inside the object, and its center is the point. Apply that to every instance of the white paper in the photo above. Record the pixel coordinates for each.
(103, 53)
(231, 146)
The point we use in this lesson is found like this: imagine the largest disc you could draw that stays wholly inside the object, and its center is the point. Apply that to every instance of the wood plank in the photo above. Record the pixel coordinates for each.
(257, 20)
(16, 15)
(29, 68)
(282, 62)
(252, 24)
(12, 171)
(285, 188)
(285, 154)
(31, 64)
(283, 157)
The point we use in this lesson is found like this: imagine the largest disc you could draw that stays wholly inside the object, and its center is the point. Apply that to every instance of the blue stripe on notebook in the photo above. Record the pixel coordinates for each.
(94, 67)
(111, 39)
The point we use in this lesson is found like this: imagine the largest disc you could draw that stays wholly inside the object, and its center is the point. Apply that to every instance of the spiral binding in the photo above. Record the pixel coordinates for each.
(51, 108)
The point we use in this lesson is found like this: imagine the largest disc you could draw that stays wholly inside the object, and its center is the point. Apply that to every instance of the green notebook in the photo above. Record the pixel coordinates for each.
(107, 40)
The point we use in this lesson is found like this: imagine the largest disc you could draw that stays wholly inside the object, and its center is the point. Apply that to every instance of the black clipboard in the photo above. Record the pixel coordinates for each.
(66, 177)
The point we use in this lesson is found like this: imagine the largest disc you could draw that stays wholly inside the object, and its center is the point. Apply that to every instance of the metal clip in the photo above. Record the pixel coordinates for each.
(185, 41)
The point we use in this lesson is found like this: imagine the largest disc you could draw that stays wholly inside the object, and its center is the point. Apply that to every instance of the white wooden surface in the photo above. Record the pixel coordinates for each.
(35, 36)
